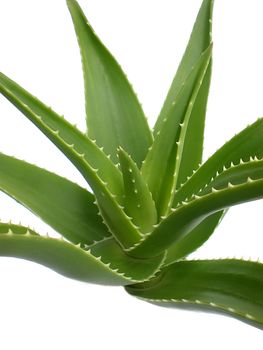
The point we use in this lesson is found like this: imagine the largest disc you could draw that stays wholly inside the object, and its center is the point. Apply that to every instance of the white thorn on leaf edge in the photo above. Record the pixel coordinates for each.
(199, 302)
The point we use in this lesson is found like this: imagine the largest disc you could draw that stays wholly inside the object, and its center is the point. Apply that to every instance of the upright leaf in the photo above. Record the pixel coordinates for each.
(232, 287)
(138, 200)
(200, 40)
(114, 115)
(162, 165)
(193, 138)
(65, 206)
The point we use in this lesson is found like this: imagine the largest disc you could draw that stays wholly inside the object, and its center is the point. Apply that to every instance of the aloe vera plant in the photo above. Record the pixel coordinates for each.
(152, 202)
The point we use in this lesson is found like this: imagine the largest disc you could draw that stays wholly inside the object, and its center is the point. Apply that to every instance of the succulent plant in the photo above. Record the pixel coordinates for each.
(152, 202)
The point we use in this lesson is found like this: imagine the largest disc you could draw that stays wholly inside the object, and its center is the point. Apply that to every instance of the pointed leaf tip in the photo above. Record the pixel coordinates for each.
(114, 114)
(200, 39)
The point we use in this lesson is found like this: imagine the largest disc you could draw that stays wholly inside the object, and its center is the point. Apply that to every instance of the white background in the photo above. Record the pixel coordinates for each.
(40, 309)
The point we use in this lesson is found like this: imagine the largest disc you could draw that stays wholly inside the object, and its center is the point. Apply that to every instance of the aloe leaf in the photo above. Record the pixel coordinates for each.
(85, 155)
(234, 175)
(187, 216)
(194, 239)
(233, 287)
(45, 118)
(59, 255)
(114, 115)
(242, 147)
(162, 165)
(200, 40)
(138, 201)
(94, 265)
(191, 149)
(65, 206)
(132, 268)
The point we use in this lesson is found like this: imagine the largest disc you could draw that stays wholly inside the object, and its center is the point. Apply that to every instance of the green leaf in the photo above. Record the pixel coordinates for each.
(199, 41)
(194, 239)
(101, 174)
(234, 175)
(132, 268)
(95, 265)
(233, 287)
(193, 138)
(138, 201)
(114, 115)
(65, 206)
(242, 147)
(162, 165)
(50, 123)
(187, 216)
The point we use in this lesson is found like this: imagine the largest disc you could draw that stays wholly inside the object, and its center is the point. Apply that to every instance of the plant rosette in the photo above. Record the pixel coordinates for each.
(152, 201)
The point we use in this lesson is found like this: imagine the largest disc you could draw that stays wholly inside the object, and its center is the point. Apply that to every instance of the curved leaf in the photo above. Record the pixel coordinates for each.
(59, 255)
(187, 216)
(85, 155)
(233, 287)
(194, 239)
(104, 263)
(248, 143)
(243, 147)
(65, 206)
(136, 269)
(234, 175)
(47, 120)
(114, 115)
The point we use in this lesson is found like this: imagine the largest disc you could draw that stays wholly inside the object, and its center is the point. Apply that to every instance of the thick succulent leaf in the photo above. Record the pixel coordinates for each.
(138, 202)
(242, 147)
(233, 287)
(59, 255)
(134, 269)
(187, 216)
(45, 118)
(191, 149)
(65, 206)
(194, 239)
(85, 155)
(234, 175)
(163, 162)
(199, 41)
(114, 115)
(103, 263)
